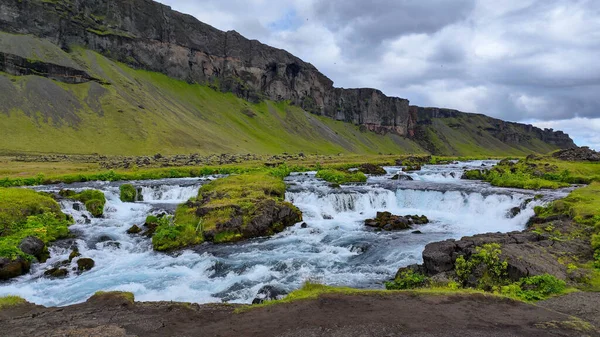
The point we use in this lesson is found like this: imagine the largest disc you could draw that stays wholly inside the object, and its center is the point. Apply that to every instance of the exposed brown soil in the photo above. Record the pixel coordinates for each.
(396, 314)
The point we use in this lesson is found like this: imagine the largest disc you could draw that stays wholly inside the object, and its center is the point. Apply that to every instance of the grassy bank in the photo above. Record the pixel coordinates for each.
(26, 213)
(539, 173)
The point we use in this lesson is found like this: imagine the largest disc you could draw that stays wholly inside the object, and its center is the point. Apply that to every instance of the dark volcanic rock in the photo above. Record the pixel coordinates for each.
(13, 268)
(527, 254)
(271, 218)
(56, 273)
(134, 230)
(269, 293)
(402, 177)
(372, 169)
(85, 264)
(387, 221)
(33, 246)
(583, 153)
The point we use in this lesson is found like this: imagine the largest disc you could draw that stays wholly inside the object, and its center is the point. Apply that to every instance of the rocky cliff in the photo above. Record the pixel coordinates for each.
(147, 35)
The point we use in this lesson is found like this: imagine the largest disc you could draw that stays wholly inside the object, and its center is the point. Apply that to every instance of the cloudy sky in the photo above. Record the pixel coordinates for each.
(534, 61)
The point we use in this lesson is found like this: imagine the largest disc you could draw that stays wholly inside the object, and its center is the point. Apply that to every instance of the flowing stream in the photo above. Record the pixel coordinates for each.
(335, 248)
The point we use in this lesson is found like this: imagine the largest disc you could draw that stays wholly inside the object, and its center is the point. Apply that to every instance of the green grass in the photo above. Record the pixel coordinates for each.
(127, 193)
(124, 294)
(26, 213)
(544, 173)
(341, 177)
(10, 301)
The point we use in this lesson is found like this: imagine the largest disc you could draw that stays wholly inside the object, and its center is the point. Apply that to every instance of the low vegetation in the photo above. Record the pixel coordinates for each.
(9, 301)
(26, 213)
(128, 296)
(128, 193)
(537, 173)
(342, 177)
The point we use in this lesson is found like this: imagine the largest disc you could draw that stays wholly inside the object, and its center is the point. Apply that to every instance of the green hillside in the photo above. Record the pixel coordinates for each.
(136, 112)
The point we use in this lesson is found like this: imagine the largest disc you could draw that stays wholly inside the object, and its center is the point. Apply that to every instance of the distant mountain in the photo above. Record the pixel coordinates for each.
(135, 77)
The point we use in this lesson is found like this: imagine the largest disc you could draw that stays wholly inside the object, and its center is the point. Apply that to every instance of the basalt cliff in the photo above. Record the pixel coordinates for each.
(146, 35)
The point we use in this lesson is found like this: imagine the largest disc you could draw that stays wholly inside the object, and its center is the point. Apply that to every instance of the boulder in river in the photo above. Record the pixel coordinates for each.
(85, 264)
(135, 229)
(269, 293)
(387, 221)
(56, 273)
(402, 177)
(75, 253)
(372, 169)
(34, 246)
(13, 268)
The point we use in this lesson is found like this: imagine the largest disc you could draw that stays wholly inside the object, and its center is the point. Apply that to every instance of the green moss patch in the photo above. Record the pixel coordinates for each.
(10, 301)
(128, 193)
(26, 213)
(341, 177)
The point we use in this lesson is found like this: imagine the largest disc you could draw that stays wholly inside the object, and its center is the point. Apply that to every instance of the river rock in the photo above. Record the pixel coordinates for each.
(13, 268)
(583, 153)
(34, 246)
(271, 217)
(75, 253)
(85, 264)
(513, 212)
(372, 169)
(135, 229)
(402, 177)
(269, 293)
(388, 222)
(56, 273)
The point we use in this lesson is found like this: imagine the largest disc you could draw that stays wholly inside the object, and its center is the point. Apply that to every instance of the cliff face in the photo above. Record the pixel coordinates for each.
(148, 35)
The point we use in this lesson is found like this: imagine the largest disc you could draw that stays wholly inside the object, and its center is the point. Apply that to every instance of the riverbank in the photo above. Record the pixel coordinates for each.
(392, 313)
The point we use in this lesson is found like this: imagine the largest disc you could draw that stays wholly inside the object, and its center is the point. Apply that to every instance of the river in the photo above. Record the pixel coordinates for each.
(335, 248)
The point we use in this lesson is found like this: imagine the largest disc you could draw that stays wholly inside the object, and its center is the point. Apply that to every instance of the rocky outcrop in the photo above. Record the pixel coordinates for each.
(35, 247)
(527, 253)
(19, 66)
(577, 154)
(148, 35)
(389, 222)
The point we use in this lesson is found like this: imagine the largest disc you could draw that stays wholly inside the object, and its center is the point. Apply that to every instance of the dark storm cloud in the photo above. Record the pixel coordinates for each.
(520, 60)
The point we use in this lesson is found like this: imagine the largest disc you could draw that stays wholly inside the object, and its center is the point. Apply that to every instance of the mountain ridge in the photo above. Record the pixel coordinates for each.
(147, 35)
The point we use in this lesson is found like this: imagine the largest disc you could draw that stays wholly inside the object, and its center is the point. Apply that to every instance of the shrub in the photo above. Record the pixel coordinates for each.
(535, 288)
(169, 236)
(407, 279)
(491, 271)
(128, 193)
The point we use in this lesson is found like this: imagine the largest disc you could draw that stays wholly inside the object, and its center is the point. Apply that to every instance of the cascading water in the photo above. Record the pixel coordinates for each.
(335, 247)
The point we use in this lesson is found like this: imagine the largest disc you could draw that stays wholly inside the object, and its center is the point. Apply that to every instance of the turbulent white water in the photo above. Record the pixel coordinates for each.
(335, 248)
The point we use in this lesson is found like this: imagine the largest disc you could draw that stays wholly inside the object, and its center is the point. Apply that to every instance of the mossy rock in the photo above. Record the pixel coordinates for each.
(128, 193)
(85, 264)
(135, 229)
(93, 200)
(56, 273)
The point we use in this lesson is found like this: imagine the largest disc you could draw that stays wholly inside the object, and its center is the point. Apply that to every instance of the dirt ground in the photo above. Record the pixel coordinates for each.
(396, 314)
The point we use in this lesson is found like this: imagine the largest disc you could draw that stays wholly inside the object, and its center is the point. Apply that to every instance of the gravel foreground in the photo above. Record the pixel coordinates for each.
(396, 314)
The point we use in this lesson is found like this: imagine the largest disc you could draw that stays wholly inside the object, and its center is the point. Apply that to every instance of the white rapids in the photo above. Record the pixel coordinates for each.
(335, 247)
